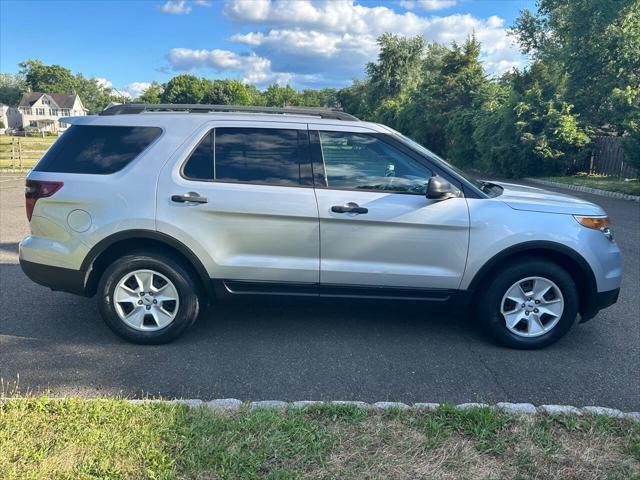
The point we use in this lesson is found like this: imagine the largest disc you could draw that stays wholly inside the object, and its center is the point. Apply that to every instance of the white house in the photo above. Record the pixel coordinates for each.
(9, 117)
(44, 110)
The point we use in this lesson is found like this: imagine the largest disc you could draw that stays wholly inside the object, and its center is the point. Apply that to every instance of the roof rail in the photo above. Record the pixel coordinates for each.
(134, 108)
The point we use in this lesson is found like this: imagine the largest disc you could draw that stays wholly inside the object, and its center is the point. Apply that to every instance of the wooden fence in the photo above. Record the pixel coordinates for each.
(18, 154)
(608, 159)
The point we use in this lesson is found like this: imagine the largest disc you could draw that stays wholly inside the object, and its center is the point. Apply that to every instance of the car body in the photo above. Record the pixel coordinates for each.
(346, 215)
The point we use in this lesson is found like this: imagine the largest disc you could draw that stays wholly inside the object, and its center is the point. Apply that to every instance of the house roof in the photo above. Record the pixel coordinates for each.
(62, 100)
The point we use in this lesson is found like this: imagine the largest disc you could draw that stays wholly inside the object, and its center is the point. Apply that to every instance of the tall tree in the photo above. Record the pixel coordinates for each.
(186, 89)
(444, 105)
(277, 96)
(47, 78)
(11, 89)
(152, 94)
(596, 45)
(229, 92)
(398, 69)
(95, 97)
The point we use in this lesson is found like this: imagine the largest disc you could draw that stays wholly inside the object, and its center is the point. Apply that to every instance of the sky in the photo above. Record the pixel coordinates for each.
(305, 43)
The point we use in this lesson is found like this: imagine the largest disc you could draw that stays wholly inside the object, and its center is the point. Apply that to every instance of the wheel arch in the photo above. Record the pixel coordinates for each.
(566, 257)
(118, 244)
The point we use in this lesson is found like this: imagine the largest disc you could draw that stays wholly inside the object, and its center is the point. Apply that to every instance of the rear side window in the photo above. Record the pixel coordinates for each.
(99, 150)
(200, 163)
(259, 155)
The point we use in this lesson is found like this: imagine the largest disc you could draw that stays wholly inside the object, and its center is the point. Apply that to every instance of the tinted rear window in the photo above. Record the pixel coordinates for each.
(200, 163)
(97, 150)
(256, 155)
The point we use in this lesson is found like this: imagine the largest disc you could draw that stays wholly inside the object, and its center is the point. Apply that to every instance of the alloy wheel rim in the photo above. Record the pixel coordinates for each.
(532, 307)
(146, 300)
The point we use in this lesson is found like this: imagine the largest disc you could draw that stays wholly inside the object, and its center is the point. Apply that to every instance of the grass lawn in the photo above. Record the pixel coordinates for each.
(612, 184)
(32, 147)
(45, 438)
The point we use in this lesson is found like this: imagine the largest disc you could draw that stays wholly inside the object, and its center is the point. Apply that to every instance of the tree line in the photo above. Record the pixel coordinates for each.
(583, 81)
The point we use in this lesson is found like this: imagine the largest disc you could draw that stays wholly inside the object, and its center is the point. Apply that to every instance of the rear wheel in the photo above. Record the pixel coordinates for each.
(529, 304)
(148, 299)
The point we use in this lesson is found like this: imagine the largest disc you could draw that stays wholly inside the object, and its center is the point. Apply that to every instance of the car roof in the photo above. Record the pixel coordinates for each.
(189, 121)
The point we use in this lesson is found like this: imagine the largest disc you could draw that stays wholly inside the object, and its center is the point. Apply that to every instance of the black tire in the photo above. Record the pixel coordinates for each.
(489, 302)
(181, 277)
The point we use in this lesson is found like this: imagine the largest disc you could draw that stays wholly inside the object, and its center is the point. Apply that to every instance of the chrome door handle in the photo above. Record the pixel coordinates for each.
(191, 197)
(350, 207)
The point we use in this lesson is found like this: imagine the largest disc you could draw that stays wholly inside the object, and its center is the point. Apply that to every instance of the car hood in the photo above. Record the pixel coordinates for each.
(522, 197)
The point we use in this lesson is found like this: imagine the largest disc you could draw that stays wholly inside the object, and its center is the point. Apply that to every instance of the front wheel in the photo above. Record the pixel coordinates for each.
(529, 304)
(148, 299)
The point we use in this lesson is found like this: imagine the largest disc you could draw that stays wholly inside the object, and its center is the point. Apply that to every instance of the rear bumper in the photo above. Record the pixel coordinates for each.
(597, 302)
(56, 278)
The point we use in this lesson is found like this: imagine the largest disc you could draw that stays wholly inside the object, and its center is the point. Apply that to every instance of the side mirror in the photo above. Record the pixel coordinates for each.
(440, 189)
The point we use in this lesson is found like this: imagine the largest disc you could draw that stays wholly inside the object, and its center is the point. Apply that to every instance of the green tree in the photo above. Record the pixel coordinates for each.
(11, 89)
(398, 69)
(326, 97)
(186, 89)
(531, 131)
(229, 92)
(47, 78)
(354, 99)
(94, 96)
(152, 94)
(445, 104)
(277, 96)
(595, 45)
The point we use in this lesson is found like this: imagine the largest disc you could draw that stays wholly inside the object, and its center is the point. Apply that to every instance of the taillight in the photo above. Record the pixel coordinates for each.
(36, 189)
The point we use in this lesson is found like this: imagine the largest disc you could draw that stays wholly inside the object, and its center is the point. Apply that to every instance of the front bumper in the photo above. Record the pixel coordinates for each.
(56, 278)
(597, 302)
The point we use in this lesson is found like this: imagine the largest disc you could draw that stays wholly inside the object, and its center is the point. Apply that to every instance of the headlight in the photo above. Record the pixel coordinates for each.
(597, 223)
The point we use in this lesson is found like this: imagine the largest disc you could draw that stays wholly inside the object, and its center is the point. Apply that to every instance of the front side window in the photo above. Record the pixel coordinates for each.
(96, 149)
(360, 161)
(259, 155)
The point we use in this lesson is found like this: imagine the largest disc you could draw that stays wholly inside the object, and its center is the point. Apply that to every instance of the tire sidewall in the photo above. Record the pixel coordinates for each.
(491, 303)
(188, 299)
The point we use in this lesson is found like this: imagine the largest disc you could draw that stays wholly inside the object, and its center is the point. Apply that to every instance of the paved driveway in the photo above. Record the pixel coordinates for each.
(294, 350)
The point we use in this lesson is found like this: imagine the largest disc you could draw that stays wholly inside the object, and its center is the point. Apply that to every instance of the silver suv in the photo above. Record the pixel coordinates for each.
(160, 209)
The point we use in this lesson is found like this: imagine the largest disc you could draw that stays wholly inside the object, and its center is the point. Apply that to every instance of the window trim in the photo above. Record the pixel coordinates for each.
(212, 130)
(389, 140)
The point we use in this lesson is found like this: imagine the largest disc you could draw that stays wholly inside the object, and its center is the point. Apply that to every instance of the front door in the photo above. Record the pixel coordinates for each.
(242, 196)
(377, 228)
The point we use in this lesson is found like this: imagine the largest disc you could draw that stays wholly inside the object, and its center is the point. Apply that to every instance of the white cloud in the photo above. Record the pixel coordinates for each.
(104, 83)
(135, 89)
(427, 4)
(254, 69)
(176, 7)
(331, 42)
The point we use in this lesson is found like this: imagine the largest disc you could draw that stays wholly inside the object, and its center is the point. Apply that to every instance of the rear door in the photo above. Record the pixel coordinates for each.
(377, 228)
(241, 195)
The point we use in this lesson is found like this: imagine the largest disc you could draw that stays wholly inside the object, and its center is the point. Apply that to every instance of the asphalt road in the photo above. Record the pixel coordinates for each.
(321, 350)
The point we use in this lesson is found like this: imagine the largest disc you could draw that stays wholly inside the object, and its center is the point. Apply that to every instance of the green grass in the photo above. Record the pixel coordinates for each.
(74, 438)
(612, 184)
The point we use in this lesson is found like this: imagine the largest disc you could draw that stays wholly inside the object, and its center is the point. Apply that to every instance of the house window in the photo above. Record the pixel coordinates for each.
(27, 111)
(45, 101)
(39, 111)
(33, 123)
(65, 112)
